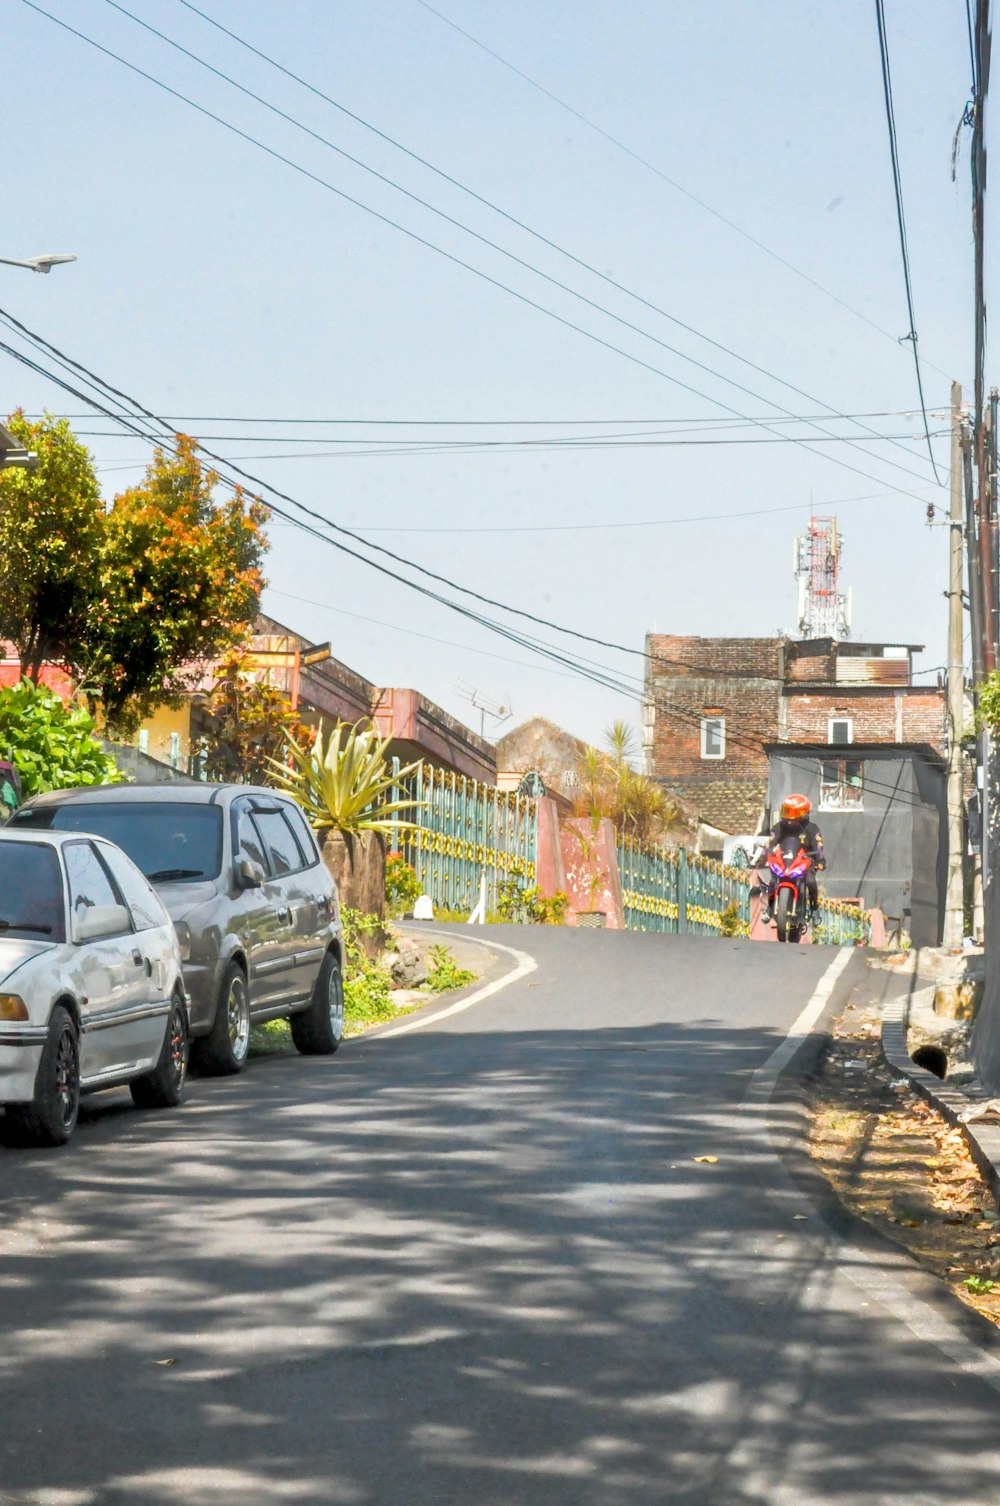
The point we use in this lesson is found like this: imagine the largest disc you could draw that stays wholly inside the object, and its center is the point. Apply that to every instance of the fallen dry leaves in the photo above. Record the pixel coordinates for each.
(897, 1163)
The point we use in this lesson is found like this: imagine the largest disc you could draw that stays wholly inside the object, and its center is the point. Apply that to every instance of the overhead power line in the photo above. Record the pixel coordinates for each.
(890, 116)
(374, 450)
(599, 674)
(410, 632)
(137, 412)
(446, 177)
(458, 261)
(501, 423)
(665, 178)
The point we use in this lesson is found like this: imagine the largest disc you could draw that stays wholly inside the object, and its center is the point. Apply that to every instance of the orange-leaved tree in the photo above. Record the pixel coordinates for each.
(178, 580)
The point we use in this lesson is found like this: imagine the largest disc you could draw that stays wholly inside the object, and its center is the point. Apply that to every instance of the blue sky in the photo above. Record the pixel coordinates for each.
(215, 281)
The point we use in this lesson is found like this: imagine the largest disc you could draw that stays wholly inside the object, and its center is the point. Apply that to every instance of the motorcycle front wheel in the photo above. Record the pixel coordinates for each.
(782, 905)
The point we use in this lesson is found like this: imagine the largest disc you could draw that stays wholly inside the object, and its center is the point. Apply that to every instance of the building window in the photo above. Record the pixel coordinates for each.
(144, 740)
(713, 737)
(175, 750)
(842, 785)
(840, 730)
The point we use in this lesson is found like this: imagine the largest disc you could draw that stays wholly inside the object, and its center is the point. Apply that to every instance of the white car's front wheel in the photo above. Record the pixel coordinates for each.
(51, 1116)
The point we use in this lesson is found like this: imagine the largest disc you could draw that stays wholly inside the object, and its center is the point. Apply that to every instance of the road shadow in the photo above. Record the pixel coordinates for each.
(481, 1266)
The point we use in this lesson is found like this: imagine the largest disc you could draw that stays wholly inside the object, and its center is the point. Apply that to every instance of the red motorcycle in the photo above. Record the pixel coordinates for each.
(789, 865)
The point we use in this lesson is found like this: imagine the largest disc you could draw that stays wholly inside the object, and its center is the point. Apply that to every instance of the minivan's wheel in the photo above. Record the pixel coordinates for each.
(51, 1118)
(318, 1030)
(225, 1048)
(781, 914)
(162, 1088)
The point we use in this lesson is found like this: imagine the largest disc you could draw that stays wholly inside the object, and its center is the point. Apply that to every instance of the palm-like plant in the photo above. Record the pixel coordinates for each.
(344, 781)
(611, 787)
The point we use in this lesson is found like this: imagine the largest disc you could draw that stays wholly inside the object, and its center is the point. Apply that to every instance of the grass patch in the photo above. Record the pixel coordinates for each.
(272, 1038)
(368, 996)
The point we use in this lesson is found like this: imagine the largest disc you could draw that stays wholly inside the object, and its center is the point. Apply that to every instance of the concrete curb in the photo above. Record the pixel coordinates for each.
(983, 1139)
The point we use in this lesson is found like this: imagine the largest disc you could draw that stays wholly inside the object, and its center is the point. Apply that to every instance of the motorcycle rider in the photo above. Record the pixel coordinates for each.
(794, 823)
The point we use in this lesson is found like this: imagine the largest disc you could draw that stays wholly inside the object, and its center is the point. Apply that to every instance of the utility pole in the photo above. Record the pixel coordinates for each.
(954, 908)
(981, 77)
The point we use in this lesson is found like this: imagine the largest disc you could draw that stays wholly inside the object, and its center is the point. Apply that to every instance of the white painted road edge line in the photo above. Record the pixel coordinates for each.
(525, 965)
(865, 1269)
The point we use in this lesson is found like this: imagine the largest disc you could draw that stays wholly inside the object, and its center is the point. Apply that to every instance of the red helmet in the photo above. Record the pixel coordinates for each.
(795, 808)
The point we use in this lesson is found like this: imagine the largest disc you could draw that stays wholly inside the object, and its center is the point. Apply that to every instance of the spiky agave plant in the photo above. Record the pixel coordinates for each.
(344, 780)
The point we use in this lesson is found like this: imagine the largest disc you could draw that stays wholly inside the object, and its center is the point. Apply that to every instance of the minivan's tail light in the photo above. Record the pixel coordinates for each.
(183, 939)
(12, 1007)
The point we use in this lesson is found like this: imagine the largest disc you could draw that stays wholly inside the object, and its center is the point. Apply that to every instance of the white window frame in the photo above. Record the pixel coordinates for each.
(718, 722)
(850, 730)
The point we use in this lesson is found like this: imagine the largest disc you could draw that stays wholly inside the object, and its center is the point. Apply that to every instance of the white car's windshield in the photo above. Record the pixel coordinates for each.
(168, 842)
(31, 892)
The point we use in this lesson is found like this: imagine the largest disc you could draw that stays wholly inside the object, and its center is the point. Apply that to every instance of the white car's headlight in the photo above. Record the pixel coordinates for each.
(183, 939)
(12, 1007)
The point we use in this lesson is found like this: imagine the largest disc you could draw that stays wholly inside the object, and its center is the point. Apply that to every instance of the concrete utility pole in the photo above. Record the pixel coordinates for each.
(954, 908)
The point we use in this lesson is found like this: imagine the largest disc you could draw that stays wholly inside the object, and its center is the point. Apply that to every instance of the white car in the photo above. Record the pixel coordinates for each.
(91, 989)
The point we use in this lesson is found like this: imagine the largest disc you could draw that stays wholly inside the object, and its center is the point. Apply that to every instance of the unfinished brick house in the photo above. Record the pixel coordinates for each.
(711, 705)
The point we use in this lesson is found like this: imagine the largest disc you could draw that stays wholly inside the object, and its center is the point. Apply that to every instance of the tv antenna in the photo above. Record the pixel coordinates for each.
(486, 705)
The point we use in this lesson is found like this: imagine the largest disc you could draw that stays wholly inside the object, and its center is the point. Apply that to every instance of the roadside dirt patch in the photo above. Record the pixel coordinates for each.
(898, 1164)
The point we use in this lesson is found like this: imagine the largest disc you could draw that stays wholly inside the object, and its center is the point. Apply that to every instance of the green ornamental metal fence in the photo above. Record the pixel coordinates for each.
(674, 890)
(465, 829)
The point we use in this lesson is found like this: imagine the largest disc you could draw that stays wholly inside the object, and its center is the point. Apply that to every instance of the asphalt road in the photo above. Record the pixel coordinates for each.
(478, 1263)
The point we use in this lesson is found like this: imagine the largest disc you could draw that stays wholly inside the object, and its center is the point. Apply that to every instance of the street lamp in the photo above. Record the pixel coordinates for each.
(37, 263)
(12, 453)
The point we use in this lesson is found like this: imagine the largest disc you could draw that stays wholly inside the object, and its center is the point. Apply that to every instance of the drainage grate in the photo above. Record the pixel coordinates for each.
(594, 920)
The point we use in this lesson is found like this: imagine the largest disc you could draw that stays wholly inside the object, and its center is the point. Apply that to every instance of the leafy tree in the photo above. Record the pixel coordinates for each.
(50, 743)
(247, 722)
(178, 580)
(51, 521)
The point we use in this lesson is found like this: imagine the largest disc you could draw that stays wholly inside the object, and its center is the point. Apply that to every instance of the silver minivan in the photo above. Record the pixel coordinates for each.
(253, 904)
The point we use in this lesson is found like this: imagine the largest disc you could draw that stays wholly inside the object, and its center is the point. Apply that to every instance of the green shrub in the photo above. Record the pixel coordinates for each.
(445, 972)
(547, 909)
(530, 906)
(402, 887)
(50, 743)
(730, 923)
(367, 998)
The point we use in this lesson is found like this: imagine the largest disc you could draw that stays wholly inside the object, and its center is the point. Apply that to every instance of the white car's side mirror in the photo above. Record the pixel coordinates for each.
(101, 920)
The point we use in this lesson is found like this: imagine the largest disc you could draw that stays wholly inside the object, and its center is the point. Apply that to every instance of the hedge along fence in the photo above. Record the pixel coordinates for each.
(680, 892)
(462, 830)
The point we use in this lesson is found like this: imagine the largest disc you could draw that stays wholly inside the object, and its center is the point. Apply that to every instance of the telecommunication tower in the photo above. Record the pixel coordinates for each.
(824, 610)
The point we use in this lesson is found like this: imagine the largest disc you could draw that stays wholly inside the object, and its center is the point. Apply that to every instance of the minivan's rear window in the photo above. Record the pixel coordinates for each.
(169, 842)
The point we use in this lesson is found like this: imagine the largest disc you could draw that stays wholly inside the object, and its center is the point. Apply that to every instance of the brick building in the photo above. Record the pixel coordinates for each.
(711, 705)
